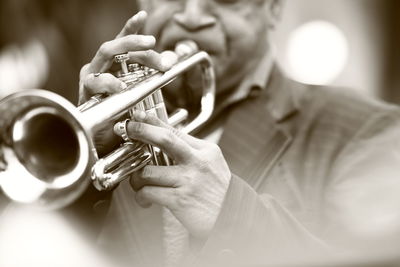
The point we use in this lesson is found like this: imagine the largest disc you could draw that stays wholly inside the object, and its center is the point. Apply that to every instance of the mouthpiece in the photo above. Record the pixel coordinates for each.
(186, 48)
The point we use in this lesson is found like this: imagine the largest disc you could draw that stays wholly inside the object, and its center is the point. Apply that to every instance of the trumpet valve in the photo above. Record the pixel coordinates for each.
(122, 59)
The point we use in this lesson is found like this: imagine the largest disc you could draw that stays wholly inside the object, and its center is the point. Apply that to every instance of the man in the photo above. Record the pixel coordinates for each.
(298, 169)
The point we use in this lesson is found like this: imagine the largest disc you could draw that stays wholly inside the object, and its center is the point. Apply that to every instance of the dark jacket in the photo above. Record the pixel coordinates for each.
(316, 172)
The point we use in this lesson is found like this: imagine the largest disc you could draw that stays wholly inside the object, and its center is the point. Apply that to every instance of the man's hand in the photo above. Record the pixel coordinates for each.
(97, 78)
(194, 187)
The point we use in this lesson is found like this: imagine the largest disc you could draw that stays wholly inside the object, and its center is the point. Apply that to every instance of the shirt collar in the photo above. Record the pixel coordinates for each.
(283, 93)
(258, 79)
(254, 82)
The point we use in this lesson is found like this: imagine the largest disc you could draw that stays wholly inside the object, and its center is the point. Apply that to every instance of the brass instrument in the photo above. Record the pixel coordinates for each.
(48, 143)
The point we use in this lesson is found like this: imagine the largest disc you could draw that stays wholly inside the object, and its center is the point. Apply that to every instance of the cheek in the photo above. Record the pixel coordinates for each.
(243, 31)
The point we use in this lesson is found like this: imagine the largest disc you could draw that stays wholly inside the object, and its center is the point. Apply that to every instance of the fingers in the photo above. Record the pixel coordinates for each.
(139, 50)
(128, 41)
(134, 24)
(192, 141)
(105, 140)
(103, 59)
(104, 83)
(164, 196)
(153, 59)
(149, 129)
(170, 57)
(164, 176)
(168, 140)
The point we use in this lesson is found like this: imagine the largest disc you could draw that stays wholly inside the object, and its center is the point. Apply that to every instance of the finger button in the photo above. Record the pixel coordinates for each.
(122, 59)
(120, 129)
(134, 67)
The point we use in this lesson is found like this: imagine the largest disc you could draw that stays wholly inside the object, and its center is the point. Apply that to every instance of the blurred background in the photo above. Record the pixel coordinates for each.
(352, 43)
(44, 43)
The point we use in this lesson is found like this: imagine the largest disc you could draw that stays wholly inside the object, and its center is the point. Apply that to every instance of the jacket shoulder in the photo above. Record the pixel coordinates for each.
(343, 109)
(331, 118)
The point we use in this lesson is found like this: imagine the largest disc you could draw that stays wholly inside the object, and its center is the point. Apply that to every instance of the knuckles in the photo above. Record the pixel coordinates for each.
(148, 53)
(153, 120)
(181, 199)
(214, 149)
(169, 138)
(144, 192)
(141, 197)
(176, 132)
(207, 157)
(105, 49)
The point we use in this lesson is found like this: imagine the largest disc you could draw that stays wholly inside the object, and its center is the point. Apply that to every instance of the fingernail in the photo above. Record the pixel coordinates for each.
(149, 39)
(141, 14)
(168, 59)
(140, 115)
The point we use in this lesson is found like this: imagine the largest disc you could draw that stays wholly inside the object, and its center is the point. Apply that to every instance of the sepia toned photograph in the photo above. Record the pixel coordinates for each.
(215, 133)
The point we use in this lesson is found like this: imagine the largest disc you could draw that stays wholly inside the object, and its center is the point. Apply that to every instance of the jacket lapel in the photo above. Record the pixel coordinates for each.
(254, 137)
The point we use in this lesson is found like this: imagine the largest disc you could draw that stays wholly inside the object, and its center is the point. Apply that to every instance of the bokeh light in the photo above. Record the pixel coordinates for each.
(317, 52)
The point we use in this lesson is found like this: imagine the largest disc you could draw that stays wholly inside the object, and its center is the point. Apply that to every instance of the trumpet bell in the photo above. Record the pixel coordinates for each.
(46, 149)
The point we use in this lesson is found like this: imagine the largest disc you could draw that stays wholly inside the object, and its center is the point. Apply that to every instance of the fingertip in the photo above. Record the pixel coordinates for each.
(149, 40)
(165, 65)
(141, 15)
(139, 115)
(141, 200)
(168, 59)
(109, 83)
(133, 24)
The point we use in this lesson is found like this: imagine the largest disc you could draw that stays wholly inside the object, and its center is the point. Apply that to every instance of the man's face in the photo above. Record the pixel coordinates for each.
(233, 32)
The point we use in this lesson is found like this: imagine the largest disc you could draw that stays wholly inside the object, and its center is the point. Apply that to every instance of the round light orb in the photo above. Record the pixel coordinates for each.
(317, 52)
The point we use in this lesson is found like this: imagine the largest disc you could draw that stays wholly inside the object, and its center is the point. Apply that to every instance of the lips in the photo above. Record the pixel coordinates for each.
(209, 40)
(202, 45)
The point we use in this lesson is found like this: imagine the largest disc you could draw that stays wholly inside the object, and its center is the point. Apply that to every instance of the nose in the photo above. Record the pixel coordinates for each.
(195, 16)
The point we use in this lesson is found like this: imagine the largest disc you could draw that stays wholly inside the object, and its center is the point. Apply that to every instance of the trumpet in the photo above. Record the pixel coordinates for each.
(48, 143)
